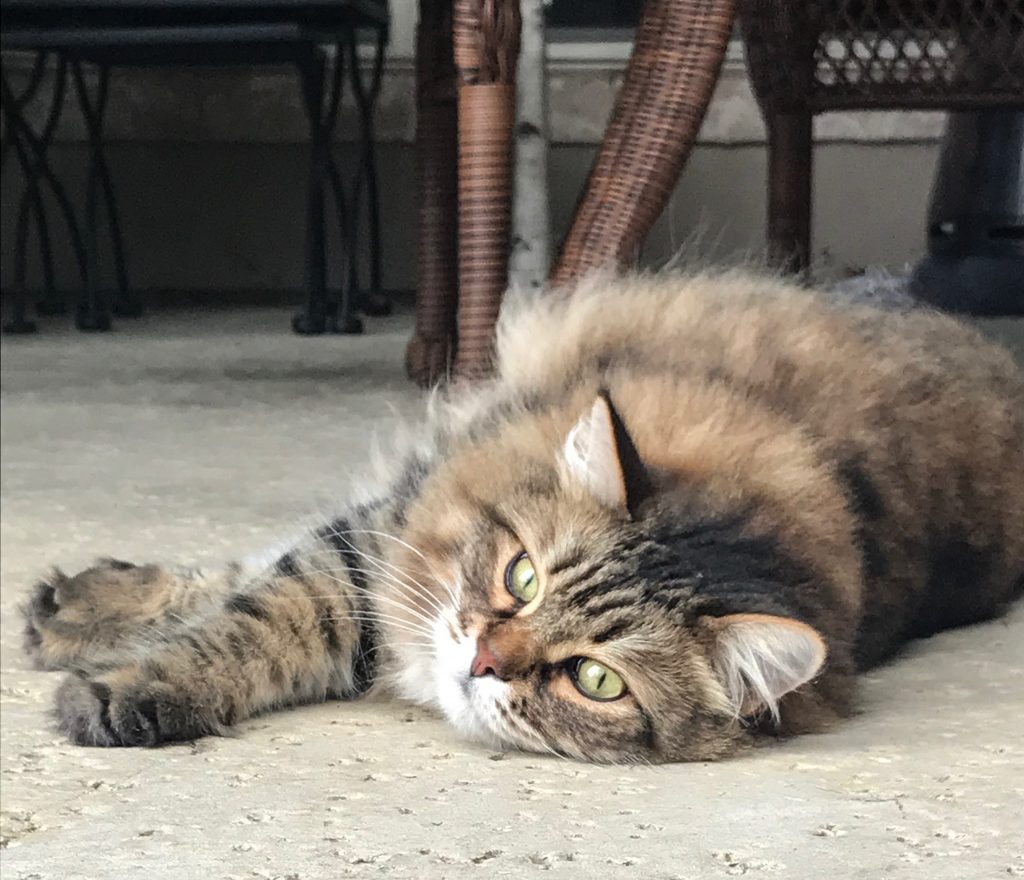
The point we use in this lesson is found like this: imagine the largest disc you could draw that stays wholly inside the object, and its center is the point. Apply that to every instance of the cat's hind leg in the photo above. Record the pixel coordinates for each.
(91, 620)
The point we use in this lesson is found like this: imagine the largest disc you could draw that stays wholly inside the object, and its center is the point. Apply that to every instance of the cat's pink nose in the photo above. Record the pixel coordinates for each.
(485, 663)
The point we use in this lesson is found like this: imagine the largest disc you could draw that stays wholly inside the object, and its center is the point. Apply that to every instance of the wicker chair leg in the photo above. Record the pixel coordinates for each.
(790, 170)
(429, 355)
(678, 52)
(486, 38)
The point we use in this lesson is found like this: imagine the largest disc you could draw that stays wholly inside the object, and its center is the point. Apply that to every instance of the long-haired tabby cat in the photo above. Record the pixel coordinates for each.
(687, 510)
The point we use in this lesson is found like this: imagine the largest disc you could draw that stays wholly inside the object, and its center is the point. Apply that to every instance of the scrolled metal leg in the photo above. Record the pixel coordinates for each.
(30, 205)
(322, 99)
(31, 149)
(342, 315)
(313, 319)
(19, 322)
(372, 298)
(341, 311)
(94, 310)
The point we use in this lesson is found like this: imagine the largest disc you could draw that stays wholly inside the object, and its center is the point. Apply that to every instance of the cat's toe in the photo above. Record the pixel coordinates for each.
(92, 712)
(83, 713)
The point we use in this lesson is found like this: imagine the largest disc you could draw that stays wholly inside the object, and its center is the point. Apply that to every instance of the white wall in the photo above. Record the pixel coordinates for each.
(230, 216)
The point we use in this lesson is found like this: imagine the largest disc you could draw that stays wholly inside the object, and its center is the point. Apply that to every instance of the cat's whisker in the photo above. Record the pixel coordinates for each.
(379, 534)
(395, 570)
(376, 597)
(330, 573)
(390, 645)
(391, 621)
(383, 535)
(395, 574)
(382, 616)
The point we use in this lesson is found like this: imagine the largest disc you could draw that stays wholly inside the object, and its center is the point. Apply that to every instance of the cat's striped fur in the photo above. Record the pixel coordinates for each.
(764, 491)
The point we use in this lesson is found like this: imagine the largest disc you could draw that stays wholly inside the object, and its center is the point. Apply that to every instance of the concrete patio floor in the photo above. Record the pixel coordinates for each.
(198, 437)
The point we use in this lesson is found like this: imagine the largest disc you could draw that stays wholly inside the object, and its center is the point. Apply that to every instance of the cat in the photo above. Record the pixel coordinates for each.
(684, 514)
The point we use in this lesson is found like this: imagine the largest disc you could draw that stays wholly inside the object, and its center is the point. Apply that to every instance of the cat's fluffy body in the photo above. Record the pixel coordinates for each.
(736, 494)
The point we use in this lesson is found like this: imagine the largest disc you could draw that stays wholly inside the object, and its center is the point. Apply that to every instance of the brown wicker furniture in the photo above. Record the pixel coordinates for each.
(465, 102)
(804, 58)
(812, 57)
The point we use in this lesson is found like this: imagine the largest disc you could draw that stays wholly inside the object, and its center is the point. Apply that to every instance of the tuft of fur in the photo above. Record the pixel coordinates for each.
(734, 493)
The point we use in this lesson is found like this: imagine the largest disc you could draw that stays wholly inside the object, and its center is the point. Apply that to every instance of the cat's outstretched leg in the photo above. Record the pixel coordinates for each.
(301, 632)
(92, 620)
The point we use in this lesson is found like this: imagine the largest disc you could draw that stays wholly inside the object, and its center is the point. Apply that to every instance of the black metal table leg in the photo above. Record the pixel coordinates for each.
(372, 298)
(31, 151)
(340, 308)
(322, 98)
(31, 204)
(313, 319)
(94, 309)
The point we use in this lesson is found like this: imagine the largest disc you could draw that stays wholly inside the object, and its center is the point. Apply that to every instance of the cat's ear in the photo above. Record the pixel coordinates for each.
(761, 658)
(599, 453)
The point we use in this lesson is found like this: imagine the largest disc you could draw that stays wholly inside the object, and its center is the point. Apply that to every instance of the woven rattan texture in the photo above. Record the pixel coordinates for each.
(911, 54)
(673, 70)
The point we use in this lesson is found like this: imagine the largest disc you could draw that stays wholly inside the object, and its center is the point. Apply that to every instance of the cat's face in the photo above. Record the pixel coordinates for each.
(564, 625)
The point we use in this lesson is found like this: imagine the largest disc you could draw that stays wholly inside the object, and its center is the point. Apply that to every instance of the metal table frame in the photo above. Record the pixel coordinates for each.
(322, 47)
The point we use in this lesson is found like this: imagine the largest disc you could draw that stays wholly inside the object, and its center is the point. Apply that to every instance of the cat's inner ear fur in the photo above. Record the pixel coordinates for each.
(761, 657)
(599, 454)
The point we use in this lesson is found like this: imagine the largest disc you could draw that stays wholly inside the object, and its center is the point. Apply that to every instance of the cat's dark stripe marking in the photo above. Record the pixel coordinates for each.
(333, 535)
(495, 516)
(739, 566)
(630, 599)
(581, 597)
(609, 633)
(648, 737)
(876, 563)
(584, 577)
(955, 566)
(865, 498)
(364, 659)
(325, 614)
(575, 557)
(230, 711)
(299, 632)
(198, 649)
(869, 508)
(277, 674)
(287, 567)
(237, 645)
(155, 670)
(243, 603)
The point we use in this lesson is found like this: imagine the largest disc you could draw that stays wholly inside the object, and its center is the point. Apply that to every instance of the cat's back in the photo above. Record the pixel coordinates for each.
(757, 330)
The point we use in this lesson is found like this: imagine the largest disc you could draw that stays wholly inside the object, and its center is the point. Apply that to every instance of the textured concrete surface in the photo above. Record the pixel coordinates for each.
(202, 437)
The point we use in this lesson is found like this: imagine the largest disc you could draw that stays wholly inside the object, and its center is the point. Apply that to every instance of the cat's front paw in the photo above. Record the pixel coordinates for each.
(105, 711)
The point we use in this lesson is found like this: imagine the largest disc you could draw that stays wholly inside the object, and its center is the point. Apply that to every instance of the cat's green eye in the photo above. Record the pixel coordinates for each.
(521, 578)
(597, 681)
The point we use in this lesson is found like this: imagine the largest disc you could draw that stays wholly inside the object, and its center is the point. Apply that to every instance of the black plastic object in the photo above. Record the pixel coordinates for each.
(975, 261)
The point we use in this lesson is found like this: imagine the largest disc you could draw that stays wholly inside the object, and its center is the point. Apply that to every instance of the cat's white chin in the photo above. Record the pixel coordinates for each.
(441, 678)
(470, 704)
